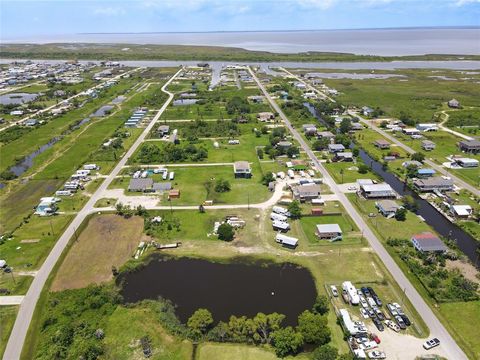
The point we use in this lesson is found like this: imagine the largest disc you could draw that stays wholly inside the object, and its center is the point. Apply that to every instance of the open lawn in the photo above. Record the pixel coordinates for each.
(347, 172)
(7, 314)
(15, 283)
(350, 230)
(123, 342)
(32, 242)
(216, 351)
(418, 95)
(463, 320)
(108, 240)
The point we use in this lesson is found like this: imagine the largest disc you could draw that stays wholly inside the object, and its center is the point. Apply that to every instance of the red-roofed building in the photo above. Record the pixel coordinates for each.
(428, 242)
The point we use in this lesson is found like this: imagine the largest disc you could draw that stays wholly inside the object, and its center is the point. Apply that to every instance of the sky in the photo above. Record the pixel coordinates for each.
(24, 18)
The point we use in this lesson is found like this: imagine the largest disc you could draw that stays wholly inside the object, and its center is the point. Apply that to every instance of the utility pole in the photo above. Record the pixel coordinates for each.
(51, 227)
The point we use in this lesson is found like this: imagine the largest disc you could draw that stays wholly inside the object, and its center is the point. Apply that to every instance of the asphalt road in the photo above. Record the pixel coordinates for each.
(440, 169)
(448, 344)
(25, 313)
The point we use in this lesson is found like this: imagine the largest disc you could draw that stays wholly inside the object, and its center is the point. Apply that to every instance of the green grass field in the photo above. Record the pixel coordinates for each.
(215, 351)
(350, 172)
(349, 229)
(7, 314)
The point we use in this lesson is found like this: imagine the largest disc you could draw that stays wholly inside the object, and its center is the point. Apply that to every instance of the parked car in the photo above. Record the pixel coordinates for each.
(372, 292)
(376, 354)
(334, 290)
(392, 309)
(400, 322)
(371, 313)
(362, 340)
(363, 302)
(364, 313)
(375, 338)
(371, 302)
(377, 300)
(378, 313)
(365, 291)
(368, 345)
(406, 320)
(378, 324)
(392, 325)
(430, 344)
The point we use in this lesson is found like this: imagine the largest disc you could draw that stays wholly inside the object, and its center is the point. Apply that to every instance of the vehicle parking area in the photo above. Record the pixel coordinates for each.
(378, 324)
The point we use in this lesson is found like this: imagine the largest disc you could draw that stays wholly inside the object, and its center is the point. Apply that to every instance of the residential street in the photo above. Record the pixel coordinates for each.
(448, 344)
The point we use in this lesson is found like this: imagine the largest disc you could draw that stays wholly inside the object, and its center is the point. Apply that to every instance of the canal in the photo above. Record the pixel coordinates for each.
(237, 288)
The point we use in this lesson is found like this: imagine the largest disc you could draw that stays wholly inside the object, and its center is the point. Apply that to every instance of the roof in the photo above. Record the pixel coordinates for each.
(241, 166)
(284, 143)
(162, 186)
(364, 181)
(329, 228)
(462, 210)
(429, 242)
(412, 162)
(287, 240)
(388, 205)
(382, 142)
(427, 142)
(140, 184)
(433, 181)
(345, 154)
(470, 143)
(325, 134)
(308, 189)
(164, 128)
(426, 171)
(467, 160)
(336, 147)
(376, 187)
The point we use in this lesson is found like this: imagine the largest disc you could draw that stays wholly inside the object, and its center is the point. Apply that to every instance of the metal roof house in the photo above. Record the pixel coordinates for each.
(140, 184)
(162, 186)
(461, 211)
(387, 208)
(435, 183)
(428, 242)
(382, 144)
(306, 192)
(378, 191)
(428, 145)
(309, 128)
(334, 148)
(331, 232)
(163, 130)
(344, 156)
(469, 146)
(242, 169)
(424, 173)
(466, 162)
(325, 134)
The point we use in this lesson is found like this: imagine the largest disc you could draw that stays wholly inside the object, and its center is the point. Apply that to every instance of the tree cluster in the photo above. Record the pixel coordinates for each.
(169, 152)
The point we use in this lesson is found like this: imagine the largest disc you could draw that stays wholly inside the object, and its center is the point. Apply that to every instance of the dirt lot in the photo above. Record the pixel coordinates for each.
(108, 240)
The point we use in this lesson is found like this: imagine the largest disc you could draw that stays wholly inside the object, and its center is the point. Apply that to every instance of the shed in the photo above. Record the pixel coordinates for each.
(174, 194)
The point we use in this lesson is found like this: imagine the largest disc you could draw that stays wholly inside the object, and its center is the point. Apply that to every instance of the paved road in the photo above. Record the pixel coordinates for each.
(448, 344)
(439, 168)
(11, 300)
(22, 322)
(18, 122)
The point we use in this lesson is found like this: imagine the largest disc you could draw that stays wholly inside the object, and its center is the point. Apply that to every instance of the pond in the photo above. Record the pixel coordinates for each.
(104, 110)
(235, 288)
(17, 98)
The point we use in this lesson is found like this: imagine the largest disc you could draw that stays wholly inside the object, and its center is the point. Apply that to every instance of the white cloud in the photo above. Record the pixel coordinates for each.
(109, 11)
(465, 2)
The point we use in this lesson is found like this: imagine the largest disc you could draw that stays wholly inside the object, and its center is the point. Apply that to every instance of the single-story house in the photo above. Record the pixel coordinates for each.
(162, 186)
(454, 103)
(361, 182)
(325, 134)
(334, 148)
(344, 156)
(242, 169)
(427, 127)
(428, 145)
(309, 129)
(416, 163)
(355, 126)
(382, 144)
(387, 208)
(329, 231)
(411, 131)
(378, 191)
(433, 183)
(470, 146)
(284, 144)
(306, 192)
(31, 122)
(466, 162)
(461, 211)
(286, 241)
(163, 130)
(425, 173)
(265, 116)
(366, 111)
(428, 242)
(185, 102)
(140, 184)
(258, 99)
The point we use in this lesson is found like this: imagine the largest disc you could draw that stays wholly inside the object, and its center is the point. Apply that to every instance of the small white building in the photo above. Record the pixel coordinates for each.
(286, 241)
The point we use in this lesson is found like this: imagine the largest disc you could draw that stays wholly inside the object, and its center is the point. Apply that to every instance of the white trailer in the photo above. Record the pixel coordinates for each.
(90, 167)
(165, 175)
(280, 210)
(278, 217)
(172, 175)
(136, 175)
(291, 174)
(281, 225)
(63, 193)
(351, 292)
(144, 174)
(281, 175)
(286, 240)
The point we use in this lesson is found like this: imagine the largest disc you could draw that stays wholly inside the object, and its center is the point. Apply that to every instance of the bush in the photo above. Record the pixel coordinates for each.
(363, 169)
(222, 186)
(200, 322)
(287, 341)
(226, 232)
(325, 352)
(295, 210)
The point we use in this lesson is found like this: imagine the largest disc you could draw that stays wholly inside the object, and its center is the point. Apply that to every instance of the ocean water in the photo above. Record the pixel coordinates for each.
(388, 42)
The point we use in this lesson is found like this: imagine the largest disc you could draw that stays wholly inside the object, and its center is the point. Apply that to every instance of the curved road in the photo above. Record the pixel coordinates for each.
(25, 313)
(448, 344)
